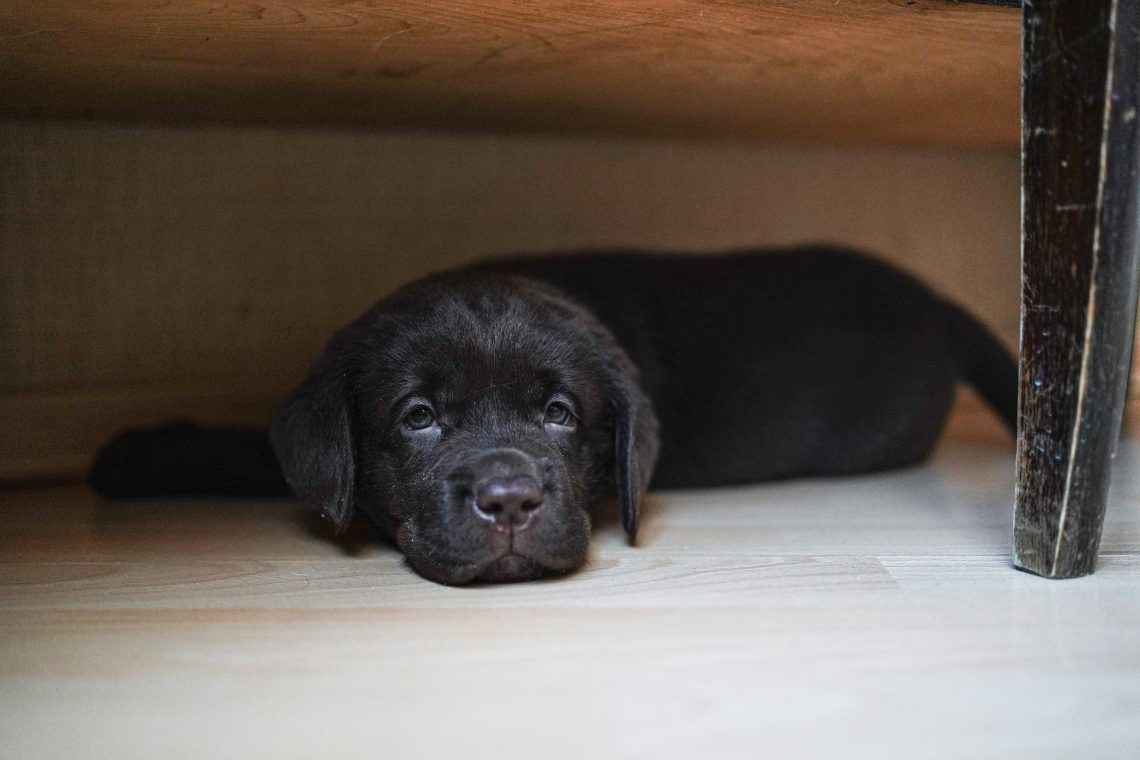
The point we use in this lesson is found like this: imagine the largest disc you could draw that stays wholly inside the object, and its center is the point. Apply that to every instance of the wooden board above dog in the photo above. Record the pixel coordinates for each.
(911, 71)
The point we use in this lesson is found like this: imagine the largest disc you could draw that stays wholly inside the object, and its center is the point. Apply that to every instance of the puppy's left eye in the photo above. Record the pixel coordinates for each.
(419, 417)
(558, 413)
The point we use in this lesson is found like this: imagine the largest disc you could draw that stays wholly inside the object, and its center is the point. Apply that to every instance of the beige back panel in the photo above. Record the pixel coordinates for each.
(148, 272)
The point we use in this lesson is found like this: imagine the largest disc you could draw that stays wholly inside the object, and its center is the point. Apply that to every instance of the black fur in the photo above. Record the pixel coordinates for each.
(687, 371)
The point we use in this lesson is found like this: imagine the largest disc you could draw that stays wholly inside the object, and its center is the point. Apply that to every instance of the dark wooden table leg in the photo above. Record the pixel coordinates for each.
(1081, 75)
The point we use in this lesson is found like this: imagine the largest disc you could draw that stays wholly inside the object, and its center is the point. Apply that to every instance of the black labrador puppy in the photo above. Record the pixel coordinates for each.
(476, 415)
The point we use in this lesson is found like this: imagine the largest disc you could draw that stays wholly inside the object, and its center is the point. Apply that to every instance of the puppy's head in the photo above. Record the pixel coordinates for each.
(474, 418)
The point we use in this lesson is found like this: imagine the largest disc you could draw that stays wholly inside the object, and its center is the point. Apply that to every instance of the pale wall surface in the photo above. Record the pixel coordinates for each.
(150, 271)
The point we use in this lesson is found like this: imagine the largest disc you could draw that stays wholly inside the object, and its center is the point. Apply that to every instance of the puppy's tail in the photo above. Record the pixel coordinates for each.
(985, 363)
(183, 459)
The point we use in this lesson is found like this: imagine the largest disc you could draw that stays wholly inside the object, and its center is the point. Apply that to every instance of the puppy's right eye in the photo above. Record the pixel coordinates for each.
(419, 417)
(558, 413)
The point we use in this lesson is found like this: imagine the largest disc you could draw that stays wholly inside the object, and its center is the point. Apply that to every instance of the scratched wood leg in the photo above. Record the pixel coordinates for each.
(1081, 73)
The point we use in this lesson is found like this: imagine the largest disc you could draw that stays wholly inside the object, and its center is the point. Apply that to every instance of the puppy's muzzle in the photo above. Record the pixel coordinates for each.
(506, 490)
(508, 502)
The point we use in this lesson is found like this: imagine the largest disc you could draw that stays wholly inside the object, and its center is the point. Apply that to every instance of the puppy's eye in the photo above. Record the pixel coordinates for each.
(558, 413)
(419, 417)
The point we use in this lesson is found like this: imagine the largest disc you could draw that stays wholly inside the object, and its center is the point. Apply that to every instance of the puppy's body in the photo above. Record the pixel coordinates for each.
(475, 415)
(761, 365)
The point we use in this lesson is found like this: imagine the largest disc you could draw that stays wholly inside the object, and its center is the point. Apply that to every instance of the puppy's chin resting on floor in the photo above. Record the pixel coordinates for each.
(500, 515)
(475, 415)
(513, 567)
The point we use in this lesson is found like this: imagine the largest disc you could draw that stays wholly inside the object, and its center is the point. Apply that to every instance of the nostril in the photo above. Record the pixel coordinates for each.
(508, 500)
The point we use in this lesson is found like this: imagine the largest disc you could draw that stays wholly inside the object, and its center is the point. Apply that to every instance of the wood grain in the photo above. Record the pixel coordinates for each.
(866, 617)
(919, 71)
(1081, 273)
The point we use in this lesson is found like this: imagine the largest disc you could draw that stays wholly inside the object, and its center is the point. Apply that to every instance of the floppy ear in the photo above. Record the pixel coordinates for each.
(312, 433)
(635, 441)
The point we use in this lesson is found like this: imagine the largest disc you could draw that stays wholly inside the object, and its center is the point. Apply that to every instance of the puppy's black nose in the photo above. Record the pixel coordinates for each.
(509, 501)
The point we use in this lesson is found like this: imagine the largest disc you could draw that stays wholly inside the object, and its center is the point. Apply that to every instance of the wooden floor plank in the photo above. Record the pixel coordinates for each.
(872, 617)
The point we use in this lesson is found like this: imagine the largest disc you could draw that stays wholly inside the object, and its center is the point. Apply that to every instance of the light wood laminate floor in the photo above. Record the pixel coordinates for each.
(872, 617)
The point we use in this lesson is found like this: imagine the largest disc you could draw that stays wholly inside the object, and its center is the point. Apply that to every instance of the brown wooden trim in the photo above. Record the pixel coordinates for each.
(934, 71)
